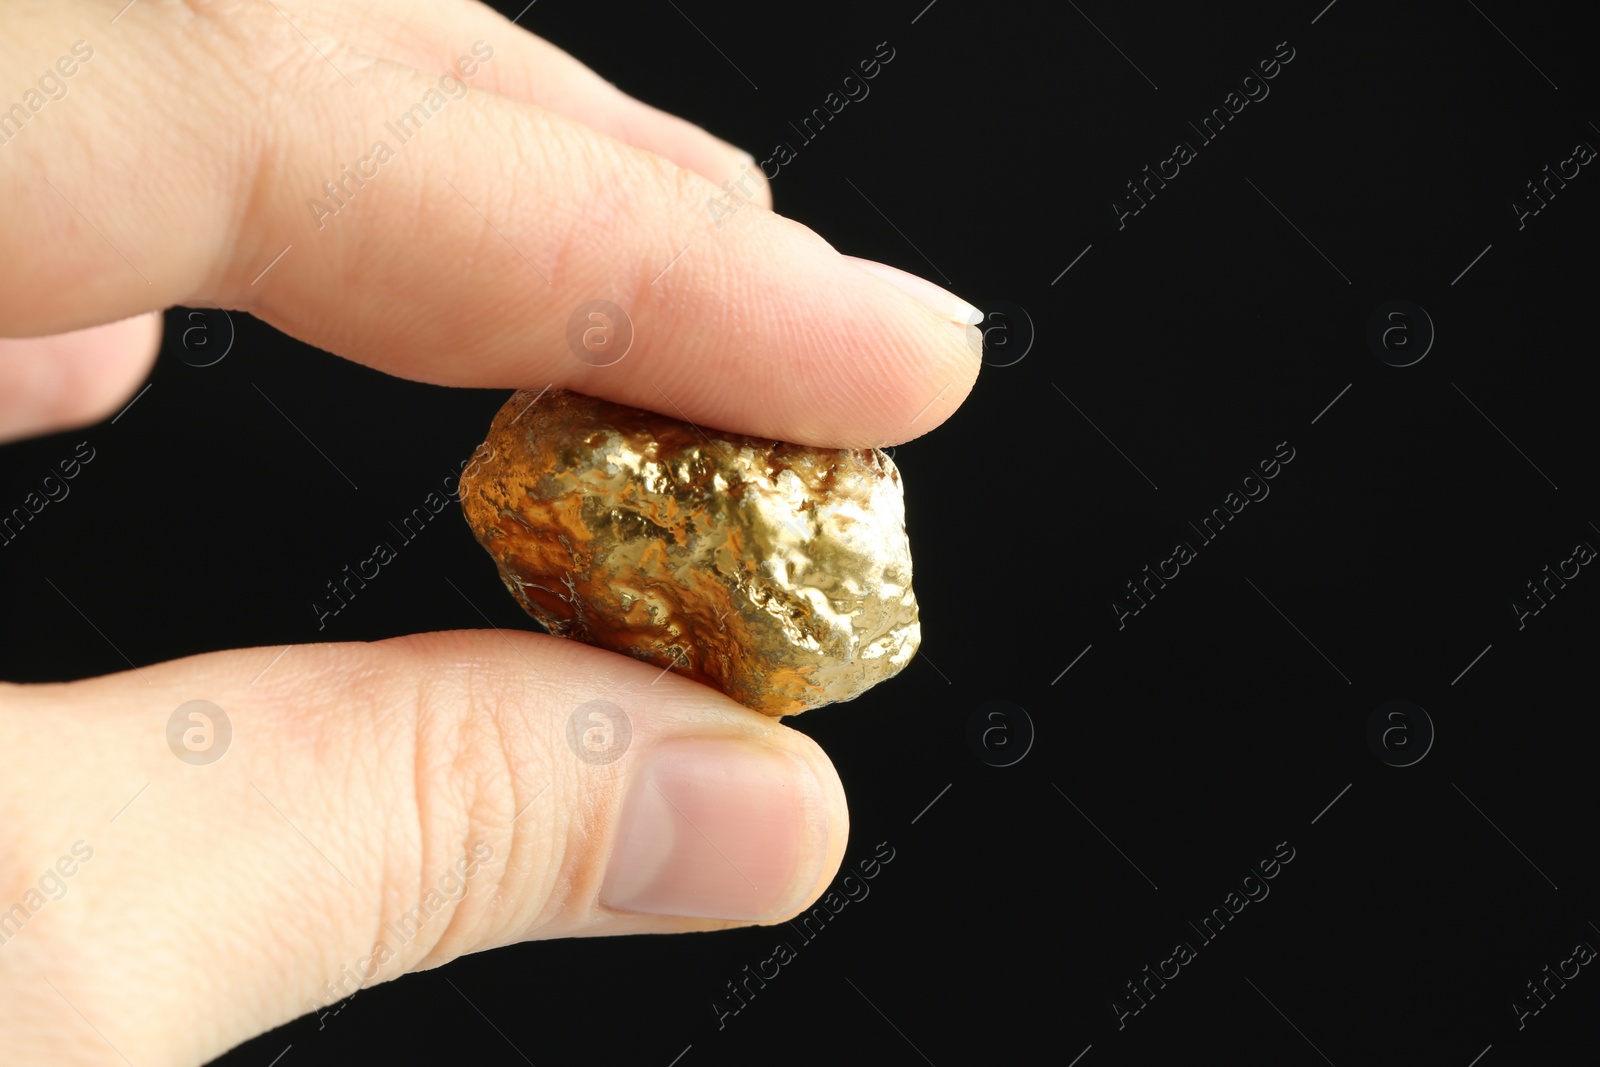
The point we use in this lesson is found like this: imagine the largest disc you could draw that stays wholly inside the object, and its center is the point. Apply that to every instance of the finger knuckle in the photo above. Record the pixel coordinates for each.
(472, 772)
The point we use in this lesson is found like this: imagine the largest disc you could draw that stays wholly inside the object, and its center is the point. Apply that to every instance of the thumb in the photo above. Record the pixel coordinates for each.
(358, 811)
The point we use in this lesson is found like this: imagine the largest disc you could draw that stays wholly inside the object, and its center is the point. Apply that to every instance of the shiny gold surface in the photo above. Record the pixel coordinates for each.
(777, 573)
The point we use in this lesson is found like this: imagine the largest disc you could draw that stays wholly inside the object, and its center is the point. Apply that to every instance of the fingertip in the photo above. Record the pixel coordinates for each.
(726, 165)
(721, 828)
(723, 816)
(835, 831)
(953, 359)
(73, 379)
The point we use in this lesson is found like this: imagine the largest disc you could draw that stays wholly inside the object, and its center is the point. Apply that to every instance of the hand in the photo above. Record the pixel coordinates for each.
(417, 796)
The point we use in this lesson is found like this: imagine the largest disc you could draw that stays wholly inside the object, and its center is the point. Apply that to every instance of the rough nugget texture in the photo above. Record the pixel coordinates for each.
(777, 573)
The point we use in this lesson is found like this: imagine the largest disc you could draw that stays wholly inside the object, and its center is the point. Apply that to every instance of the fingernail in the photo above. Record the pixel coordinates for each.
(752, 168)
(718, 829)
(943, 302)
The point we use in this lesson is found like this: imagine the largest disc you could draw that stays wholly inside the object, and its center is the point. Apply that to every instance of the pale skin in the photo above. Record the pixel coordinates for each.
(170, 168)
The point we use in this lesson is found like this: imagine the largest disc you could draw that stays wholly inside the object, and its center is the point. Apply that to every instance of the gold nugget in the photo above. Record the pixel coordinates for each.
(777, 573)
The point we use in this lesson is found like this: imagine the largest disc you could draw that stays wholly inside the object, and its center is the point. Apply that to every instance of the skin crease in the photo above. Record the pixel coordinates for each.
(195, 916)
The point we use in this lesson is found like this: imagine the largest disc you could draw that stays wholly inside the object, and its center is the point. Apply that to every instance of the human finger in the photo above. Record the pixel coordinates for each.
(357, 811)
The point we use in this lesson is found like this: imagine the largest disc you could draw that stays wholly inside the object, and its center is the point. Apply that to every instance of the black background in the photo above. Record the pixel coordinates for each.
(1180, 748)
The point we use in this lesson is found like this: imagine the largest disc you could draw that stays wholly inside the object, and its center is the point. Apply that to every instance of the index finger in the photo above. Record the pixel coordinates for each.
(456, 236)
